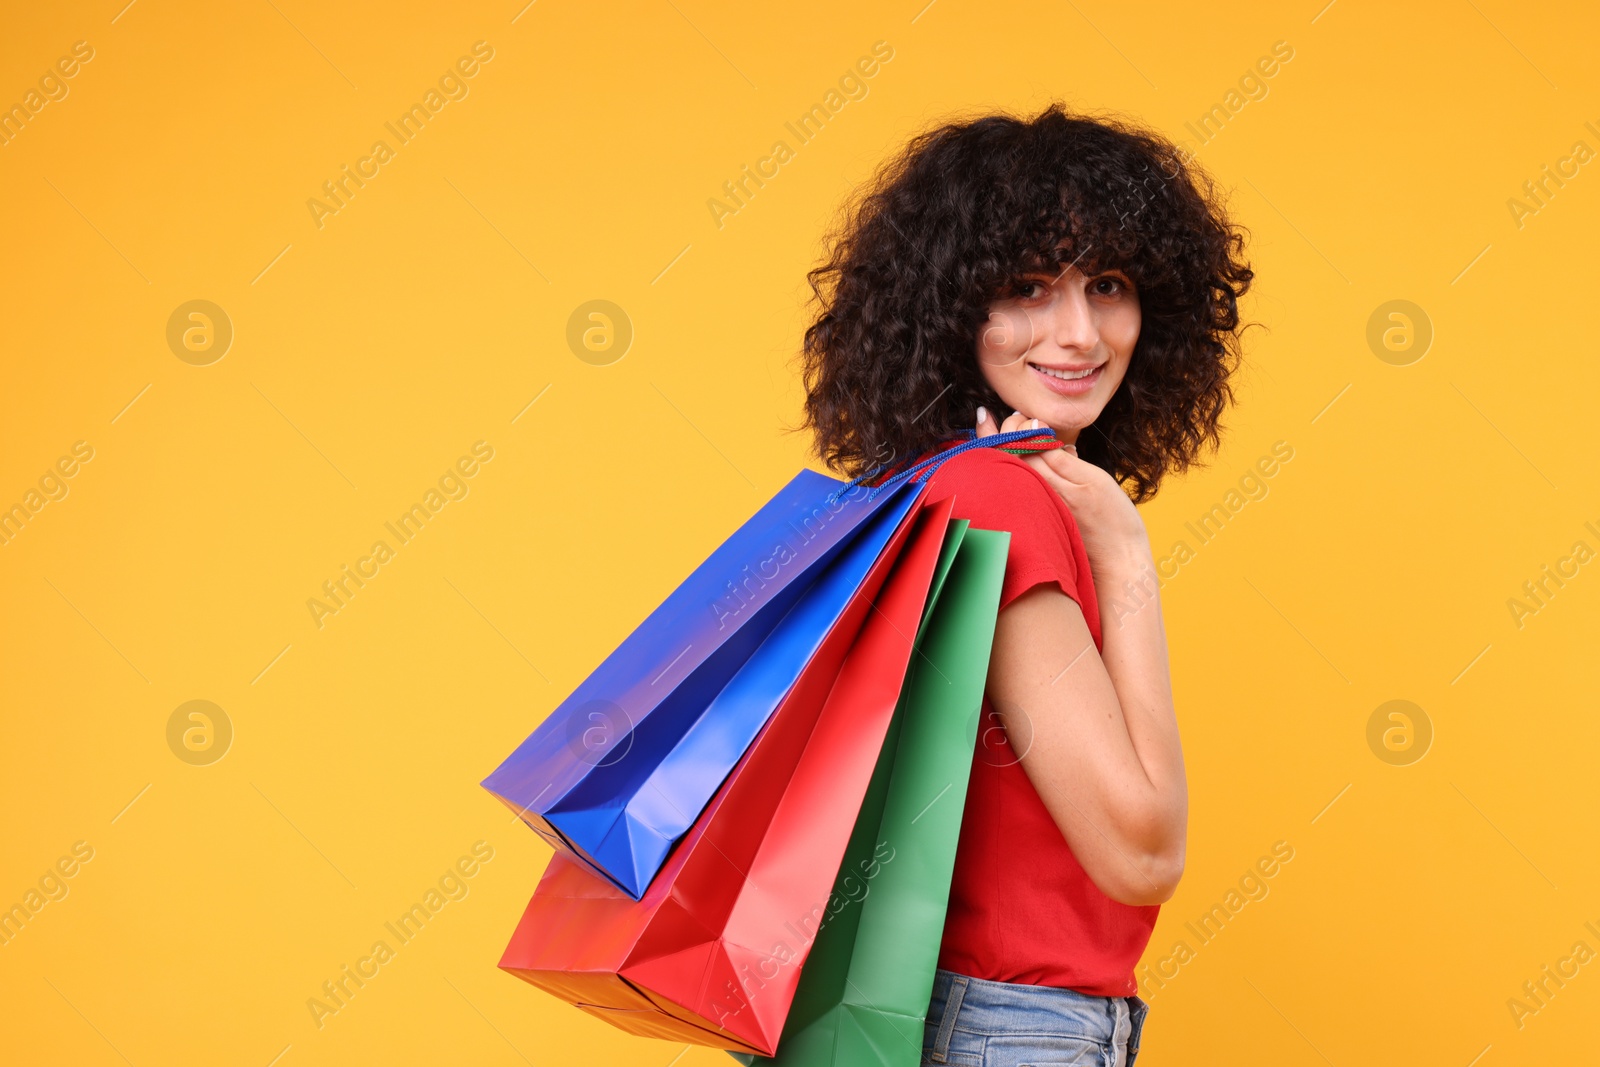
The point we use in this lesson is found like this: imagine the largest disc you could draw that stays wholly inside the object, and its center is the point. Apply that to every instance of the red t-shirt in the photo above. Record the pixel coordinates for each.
(1021, 907)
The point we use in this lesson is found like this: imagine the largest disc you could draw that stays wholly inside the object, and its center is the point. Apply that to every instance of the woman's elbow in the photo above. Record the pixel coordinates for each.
(1144, 878)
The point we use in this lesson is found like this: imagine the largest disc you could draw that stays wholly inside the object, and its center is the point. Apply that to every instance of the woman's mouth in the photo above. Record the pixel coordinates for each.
(1067, 381)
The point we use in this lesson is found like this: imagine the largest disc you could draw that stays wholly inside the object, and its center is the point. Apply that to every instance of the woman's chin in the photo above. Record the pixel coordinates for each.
(1065, 417)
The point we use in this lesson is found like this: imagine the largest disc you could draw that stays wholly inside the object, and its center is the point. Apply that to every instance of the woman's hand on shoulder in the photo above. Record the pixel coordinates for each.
(1112, 530)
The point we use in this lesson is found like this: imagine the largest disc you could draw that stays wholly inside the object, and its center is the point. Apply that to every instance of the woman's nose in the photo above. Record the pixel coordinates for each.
(1073, 324)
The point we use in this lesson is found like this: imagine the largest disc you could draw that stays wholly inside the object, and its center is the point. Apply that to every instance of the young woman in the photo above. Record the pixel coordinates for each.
(1076, 273)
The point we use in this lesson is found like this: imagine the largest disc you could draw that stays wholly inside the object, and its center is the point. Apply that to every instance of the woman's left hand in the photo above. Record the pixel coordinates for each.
(1113, 531)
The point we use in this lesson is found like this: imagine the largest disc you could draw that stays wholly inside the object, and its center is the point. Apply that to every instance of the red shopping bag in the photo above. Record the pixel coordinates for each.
(712, 952)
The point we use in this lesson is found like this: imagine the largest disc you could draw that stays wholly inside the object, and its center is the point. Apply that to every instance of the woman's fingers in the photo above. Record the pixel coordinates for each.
(1064, 486)
(1064, 462)
(1015, 421)
(1060, 465)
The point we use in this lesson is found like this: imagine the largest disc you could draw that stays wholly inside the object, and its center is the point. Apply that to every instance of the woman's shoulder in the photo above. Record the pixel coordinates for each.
(996, 490)
(991, 472)
(994, 485)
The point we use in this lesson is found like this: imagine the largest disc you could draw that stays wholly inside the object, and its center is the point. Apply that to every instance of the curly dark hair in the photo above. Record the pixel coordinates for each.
(956, 220)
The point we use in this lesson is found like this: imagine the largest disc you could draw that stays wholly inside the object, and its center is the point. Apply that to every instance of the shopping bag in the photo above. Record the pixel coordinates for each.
(821, 626)
(617, 772)
(712, 952)
(863, 995)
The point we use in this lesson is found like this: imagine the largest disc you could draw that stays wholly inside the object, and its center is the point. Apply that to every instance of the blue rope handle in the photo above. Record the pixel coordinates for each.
(924, 470)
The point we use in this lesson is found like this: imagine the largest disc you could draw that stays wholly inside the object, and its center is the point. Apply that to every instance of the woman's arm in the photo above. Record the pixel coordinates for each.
(1098, 735)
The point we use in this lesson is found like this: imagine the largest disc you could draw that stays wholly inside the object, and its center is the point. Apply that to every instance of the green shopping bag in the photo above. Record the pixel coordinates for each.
(864, 991)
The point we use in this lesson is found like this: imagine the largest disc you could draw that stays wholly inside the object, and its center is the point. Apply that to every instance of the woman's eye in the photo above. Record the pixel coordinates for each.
(1030, 290)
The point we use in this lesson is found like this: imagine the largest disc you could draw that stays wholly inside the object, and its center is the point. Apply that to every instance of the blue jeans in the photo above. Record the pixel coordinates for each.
(977, 1023)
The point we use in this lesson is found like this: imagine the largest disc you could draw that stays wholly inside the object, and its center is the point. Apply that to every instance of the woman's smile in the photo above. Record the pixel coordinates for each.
(1068, 381)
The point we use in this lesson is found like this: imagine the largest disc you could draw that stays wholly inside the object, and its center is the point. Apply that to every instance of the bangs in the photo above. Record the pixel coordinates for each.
(1093, 235)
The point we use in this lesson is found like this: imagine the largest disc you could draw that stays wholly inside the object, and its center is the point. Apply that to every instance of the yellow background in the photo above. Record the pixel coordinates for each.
(425, 316)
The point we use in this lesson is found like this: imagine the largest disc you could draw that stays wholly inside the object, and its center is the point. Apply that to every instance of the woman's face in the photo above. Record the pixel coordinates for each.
(1058, 348)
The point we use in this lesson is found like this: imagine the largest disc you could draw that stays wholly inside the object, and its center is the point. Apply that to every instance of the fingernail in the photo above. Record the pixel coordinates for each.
(1035, 424)
(983, 415)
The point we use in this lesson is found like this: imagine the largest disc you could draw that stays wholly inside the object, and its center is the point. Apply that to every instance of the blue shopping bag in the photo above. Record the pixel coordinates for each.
(623, 767)
(626, 763)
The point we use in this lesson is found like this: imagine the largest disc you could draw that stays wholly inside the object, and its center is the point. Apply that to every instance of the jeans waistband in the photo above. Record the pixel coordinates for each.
(980, 1006)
